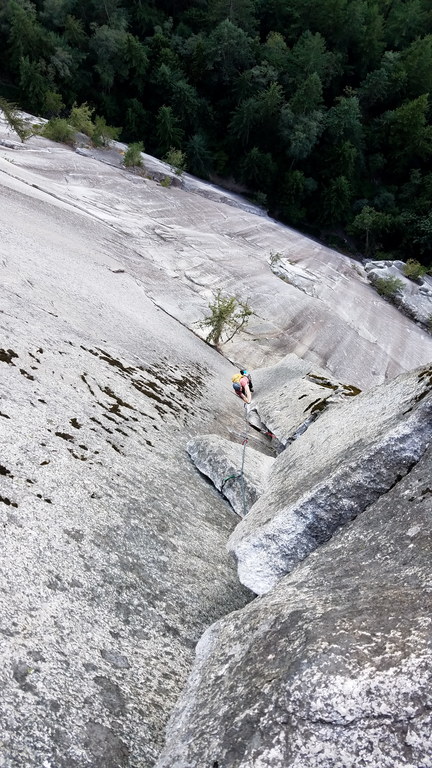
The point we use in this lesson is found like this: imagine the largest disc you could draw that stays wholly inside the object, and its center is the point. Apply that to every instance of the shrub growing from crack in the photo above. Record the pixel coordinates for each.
(388, 286)
(275, 257)
(413, 269)
(103, 133)
(177, 160)
(58, 129)
(132, 158)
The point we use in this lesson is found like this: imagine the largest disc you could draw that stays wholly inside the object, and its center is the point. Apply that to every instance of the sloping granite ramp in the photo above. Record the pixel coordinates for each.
(180, 246)
(113, 553)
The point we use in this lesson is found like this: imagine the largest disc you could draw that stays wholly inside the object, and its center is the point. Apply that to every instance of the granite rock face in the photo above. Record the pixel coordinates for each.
(333, 668)
(288, 397)
(291, 395)
(343, 463)
(303, 279)
(180, 246)
(239, 473)
(113, 549)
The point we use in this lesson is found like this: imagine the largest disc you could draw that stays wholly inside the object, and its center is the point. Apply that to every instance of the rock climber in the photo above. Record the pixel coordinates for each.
(249, 378)
(241, 387)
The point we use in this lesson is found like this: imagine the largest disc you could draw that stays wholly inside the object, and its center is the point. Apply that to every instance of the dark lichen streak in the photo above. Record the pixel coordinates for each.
(26, 374)
(114, 362)
(65, 436)
(311, 405)
(322, 382)
(152, 390)
(350, 390)
(76, 456)
(8, 502)
(7, 355)
(83, 377)
(320, 406)
(121, 402)
(92, 418)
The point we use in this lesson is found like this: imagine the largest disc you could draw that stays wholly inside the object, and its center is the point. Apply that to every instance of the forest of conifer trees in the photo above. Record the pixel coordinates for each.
(320, 109)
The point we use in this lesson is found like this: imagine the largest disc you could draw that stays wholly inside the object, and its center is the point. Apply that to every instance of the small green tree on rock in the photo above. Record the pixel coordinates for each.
(14, 120)
(132, 158)
(414, 270)
(177, 160)
(80, 118)
(228, 316)
(103, 134)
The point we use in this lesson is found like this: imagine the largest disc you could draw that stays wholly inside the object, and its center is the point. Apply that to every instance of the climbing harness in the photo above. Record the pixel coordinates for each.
(240, 475)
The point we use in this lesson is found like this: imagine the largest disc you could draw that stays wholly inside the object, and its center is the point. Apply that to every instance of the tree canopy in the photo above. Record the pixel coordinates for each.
(321, 109)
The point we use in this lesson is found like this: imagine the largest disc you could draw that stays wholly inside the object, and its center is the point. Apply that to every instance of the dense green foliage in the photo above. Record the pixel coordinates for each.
(320, 108)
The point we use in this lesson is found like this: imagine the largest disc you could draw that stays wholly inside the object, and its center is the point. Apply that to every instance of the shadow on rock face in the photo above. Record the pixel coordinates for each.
(105, 748)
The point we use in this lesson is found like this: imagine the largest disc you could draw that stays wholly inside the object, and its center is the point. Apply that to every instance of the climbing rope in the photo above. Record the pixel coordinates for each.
(240, 475)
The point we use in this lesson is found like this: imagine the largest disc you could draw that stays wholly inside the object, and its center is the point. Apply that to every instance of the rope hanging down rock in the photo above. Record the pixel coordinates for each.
(240, 474)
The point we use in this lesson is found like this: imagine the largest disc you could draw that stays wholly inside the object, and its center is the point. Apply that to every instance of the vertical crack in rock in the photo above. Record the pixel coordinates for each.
(333, 667)
(222, 461)
(341, 465)
(291, 395)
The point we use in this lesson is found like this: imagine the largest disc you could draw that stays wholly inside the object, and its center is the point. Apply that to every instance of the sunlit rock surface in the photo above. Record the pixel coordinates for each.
(113, 549)
(333, 668)
(181, 246)
(344, 462)
(304, 279)
(239, 471)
